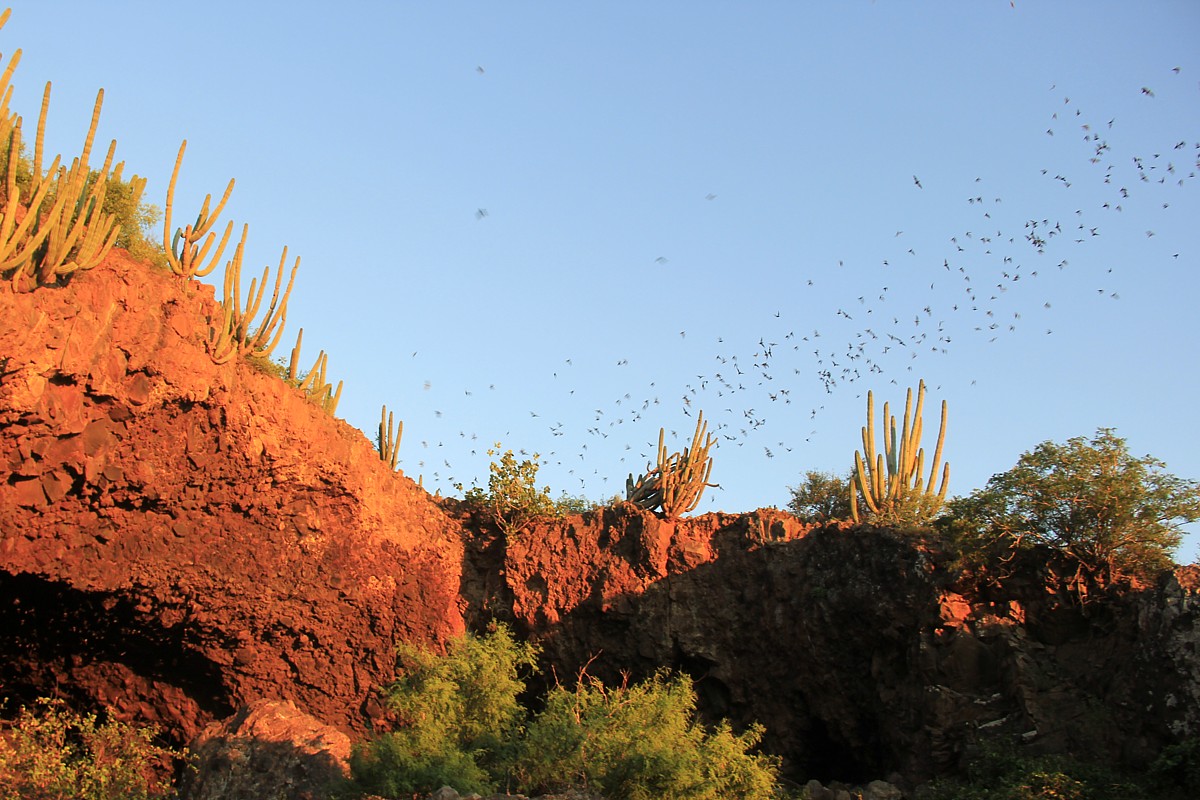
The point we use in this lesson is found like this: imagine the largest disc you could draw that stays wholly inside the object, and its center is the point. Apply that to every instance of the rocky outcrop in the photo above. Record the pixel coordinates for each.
(182, 537)
(852, 647)
(268, 751)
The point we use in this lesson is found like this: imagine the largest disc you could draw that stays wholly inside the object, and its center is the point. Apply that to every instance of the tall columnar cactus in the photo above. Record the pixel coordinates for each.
(265, 337)
(74, 233)
(891, 482)
(185, 254)
(676, 484)
(81, 234)
(388, 441)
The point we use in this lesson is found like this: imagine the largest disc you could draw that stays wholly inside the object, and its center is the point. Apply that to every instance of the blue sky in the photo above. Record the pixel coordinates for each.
(554, 225)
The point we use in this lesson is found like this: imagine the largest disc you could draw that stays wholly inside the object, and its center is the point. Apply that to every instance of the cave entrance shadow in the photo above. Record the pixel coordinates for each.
(90, 647)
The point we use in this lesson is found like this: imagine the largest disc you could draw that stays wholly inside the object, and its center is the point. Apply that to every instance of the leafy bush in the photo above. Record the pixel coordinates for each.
(459, 717)
(638, 742)
(137, 219)
(512, 499)
(576, 504)
(1179, 764)
(51, 753)
(1000, 772)
(461, 725)
(1110, 513)
(821, 497)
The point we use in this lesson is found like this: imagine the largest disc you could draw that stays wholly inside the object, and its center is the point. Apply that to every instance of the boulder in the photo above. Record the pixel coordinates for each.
(269, 750)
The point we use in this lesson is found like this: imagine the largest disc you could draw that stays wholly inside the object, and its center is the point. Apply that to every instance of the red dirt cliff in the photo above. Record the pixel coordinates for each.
(182, 537)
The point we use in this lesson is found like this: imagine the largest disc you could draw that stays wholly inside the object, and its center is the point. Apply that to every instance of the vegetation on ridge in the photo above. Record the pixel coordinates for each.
(891, 483)
(1103, 509)
(676, 484)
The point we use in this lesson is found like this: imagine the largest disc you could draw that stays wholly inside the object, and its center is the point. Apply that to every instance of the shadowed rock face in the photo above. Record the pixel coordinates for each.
(179, 539)
(852, 647)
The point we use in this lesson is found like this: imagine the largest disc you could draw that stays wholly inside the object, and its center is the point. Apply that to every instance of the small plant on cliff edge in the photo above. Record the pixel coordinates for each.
(512, 499)
(52, 753)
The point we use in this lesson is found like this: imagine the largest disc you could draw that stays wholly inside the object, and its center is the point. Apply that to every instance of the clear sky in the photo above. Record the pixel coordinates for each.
(562, 226)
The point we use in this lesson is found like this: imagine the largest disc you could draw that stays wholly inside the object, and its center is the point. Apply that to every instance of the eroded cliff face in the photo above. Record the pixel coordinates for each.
(179, 539)
(860, 655)
(182, 537)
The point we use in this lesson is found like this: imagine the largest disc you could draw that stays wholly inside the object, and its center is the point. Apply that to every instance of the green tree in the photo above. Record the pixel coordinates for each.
(1109, 512)
(821, 497)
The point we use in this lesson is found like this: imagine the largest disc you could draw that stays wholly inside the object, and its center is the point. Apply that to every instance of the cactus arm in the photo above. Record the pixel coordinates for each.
(222, 345)
(937, 453)
(184, 255)
(269, 332)
(40, 138)
(294, 362)
(389, 438)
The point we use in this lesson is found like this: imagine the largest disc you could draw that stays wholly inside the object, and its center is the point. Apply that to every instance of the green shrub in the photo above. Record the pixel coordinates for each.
(460, 724)
(638, 742)
(137, 220)
(512, 499)
(52, 753)
(576, 504)
(1179, 764)
(1001, 772)
(821, 497)
(459, 717)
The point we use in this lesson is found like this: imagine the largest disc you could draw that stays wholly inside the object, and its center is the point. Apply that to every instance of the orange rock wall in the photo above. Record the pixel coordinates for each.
(250, 545)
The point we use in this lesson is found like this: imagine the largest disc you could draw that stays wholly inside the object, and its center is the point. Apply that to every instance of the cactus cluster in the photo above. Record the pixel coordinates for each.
(891, 483)
(185, 254)
(388, 441)
(313, 384)
(237, 319)
(190, 254)
(60, 229)
(676, 484)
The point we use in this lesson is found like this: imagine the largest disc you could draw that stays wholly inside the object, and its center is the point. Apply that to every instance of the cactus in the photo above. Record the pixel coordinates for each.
(263, 340)
(81, 234)
(317, 390)
(891, 482)
(677, 483)
(221, 344)
(74, 234)
(184, 253)
(388, 441)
